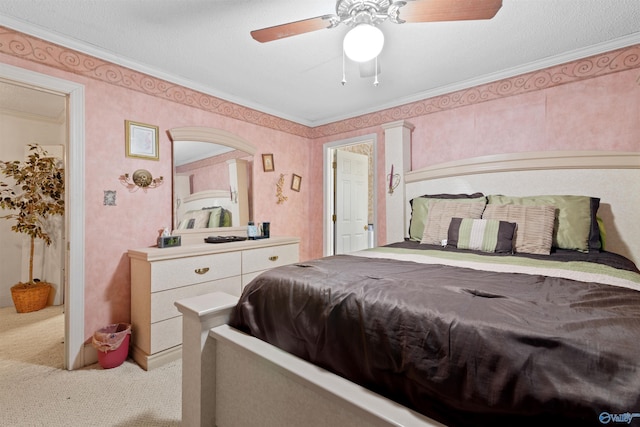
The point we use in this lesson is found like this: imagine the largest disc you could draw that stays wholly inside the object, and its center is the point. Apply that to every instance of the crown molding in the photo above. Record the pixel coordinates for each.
(52, 50)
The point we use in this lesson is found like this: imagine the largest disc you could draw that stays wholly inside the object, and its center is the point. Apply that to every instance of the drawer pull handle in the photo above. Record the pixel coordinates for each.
(202, 270)
(273, 258)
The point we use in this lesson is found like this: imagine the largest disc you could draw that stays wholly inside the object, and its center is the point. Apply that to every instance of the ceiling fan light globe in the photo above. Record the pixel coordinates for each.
(363, 43)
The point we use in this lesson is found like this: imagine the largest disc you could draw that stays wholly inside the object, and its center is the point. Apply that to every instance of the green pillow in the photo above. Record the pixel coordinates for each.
(572, 225)
(214, 218)
(225, 218)
(419, 210)
(603, 232)
(418, 218)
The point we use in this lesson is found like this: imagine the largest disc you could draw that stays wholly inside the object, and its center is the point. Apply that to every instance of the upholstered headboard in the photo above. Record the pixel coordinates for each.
(614, 177)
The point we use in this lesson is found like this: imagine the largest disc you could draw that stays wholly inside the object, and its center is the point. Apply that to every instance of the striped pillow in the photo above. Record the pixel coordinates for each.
(486, 235)
(535, 225)
(440, 214)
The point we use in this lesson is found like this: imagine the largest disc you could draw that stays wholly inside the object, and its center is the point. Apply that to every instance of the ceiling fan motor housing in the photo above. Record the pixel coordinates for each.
(373, 12)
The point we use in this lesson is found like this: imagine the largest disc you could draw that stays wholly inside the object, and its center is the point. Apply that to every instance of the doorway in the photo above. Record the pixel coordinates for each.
(339, 198)
(74, 202)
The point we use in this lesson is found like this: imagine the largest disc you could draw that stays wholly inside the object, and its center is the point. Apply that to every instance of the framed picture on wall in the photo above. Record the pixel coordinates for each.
(295, 182)
(267, 163)
(141, 140)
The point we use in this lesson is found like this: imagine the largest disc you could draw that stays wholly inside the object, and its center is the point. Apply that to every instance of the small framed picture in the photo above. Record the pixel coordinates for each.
(295, 182)
(267, 163)
(141, 140)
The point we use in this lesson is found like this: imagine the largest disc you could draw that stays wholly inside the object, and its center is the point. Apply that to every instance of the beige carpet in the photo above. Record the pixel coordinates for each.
(36, 391)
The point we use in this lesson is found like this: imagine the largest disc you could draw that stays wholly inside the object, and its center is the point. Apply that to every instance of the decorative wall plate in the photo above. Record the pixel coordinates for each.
(142, 178)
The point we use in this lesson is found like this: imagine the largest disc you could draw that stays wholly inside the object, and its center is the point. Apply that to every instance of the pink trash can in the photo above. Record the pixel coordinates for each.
(112, 343)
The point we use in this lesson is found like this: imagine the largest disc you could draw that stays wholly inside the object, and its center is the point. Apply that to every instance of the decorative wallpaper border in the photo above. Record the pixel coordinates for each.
(586, 68)
(43, 52)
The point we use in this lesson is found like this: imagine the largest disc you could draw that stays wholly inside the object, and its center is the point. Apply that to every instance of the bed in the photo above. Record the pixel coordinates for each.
(446, 328)
(206, 209)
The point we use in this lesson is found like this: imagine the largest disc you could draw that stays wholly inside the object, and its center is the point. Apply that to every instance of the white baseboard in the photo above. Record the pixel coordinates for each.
(90, 354)
(6, 301)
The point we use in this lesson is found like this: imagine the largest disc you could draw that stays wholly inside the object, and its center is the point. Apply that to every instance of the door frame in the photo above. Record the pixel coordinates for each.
(74, 202)
(328, 185)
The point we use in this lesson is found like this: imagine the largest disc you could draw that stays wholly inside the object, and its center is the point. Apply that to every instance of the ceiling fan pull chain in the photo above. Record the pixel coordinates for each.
(344, 78)
(375, 81)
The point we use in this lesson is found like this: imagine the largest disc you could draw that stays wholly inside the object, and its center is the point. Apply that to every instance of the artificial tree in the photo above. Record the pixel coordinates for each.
(35, 195)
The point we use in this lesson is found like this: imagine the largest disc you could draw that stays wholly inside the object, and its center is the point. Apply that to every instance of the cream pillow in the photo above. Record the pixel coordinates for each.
(195, 219)
(534, 232)
(440, 212)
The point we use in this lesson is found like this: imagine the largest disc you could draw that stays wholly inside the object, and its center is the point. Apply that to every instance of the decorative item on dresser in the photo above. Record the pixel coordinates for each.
(159, 277)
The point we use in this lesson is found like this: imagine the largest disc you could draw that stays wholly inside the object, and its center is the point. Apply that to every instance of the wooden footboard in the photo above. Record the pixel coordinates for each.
(230, 378)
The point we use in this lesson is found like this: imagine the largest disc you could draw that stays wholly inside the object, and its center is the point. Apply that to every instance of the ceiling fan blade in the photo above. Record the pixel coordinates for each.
(292, 28)
(448, 10)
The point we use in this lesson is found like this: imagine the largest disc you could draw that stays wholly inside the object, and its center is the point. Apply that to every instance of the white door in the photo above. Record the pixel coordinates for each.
(351, 203)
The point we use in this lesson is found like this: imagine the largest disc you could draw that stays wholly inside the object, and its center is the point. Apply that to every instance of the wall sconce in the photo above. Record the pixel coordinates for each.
(393, 180)
(233, 194)
(140, 179)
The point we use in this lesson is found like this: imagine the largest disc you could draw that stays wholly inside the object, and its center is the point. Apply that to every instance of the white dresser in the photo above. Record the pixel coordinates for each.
(159, 277)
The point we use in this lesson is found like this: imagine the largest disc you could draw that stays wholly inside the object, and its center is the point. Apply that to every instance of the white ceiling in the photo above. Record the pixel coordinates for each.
(28, 102)
(205, 45)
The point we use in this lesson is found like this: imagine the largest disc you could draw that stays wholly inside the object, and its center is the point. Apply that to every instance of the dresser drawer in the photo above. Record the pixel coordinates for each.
(162, 303)
(247, 278)
(266, 258)
(165, 334)
(162, 276)
(179, 272)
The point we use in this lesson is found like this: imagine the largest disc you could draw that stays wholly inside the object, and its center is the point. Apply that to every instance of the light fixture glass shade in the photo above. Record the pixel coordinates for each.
(363, 43)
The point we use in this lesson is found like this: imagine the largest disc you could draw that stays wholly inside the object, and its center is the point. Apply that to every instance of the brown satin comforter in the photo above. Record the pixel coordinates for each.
(463, 346)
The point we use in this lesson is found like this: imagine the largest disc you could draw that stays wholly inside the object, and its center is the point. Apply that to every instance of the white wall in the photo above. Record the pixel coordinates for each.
(16, 131)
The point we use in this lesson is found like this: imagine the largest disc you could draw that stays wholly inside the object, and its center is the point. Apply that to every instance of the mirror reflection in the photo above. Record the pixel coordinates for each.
(211, 181)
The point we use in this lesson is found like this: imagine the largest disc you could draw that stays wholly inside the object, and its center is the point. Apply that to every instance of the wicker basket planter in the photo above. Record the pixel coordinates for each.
(30, 297)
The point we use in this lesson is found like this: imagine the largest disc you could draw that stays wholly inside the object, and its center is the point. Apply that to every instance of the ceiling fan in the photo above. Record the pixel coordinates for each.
(365, 15)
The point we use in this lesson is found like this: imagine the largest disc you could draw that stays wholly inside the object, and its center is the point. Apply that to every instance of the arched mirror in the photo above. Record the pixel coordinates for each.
(211, 182)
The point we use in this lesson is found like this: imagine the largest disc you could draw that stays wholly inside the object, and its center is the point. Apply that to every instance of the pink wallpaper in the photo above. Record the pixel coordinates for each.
(210, 173)
(596, 114)
(589, 104)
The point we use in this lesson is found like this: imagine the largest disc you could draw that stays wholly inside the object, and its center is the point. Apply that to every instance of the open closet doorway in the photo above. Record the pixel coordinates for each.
(349, 195)
(31, 116)
(71, 292)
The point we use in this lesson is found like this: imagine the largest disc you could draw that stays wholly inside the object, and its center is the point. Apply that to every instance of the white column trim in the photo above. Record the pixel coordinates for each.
(397, 152)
